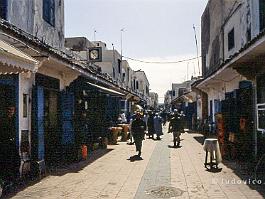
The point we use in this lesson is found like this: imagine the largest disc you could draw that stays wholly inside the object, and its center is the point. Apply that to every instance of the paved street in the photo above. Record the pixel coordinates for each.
(164, 172)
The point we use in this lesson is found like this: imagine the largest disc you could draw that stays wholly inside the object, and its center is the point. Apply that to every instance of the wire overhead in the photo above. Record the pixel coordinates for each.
(165, 62)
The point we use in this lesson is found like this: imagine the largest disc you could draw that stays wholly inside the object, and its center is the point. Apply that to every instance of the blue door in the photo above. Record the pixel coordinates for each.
(38, 147)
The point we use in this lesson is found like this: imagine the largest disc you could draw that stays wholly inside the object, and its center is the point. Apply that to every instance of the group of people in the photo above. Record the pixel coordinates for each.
(153, 123)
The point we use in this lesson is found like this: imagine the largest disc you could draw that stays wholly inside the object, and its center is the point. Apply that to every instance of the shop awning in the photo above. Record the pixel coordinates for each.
(187, 97)
(132, 98)
(14, 61)
(107, 90)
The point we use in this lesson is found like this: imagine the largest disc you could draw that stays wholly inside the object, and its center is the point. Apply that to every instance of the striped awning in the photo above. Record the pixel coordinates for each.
(13, 61)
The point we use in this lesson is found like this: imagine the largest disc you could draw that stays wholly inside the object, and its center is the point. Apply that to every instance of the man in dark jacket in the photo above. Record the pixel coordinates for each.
(138, 131)
(175, 127)
(150, 125)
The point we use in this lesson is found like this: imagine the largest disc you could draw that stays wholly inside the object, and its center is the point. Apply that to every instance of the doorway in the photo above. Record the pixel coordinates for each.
(51, 125)
(9, 154)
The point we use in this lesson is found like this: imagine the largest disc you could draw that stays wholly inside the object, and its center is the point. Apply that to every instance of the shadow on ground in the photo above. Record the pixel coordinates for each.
(199, 139)
(244, 170)
(78, 166)
(58, 171)
(214, 170)
(174, 147)
(135, 158)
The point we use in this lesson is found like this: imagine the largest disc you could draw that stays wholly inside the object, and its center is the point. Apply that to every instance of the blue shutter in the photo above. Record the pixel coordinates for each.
(52, 12)
(46, 13)
(40, 122)
(67, 109)
(49, 11)
(3, 9)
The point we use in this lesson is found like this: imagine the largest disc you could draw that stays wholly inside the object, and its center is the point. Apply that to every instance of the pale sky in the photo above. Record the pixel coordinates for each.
(154, 30)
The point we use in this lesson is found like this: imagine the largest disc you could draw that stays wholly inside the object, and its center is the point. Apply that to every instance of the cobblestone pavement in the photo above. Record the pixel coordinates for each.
(164, 172)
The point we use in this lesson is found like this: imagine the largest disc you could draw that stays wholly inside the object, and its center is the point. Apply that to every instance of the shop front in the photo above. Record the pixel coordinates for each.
(238, 119)
(46, 119)
(96, 109)
(230, 111)
(15, 71)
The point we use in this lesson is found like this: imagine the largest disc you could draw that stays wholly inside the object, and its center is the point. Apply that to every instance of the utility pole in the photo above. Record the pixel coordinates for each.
(122, 30)
(95, 31)
(113, 62)
(196, 41)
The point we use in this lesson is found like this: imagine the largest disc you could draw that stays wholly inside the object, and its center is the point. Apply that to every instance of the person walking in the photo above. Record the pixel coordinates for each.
(150, 125)
(138, 131)
(175, 127)
(158, 126)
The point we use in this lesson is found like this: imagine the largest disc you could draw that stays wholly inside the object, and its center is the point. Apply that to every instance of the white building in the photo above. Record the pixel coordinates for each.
(141, 85)
(42, 19)
(180, 88)
(153, 100)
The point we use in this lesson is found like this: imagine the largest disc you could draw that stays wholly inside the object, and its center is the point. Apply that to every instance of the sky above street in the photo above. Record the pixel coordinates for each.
(154, 30)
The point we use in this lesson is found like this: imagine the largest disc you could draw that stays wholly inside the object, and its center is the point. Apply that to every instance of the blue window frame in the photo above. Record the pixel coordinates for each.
(49, 11)
(3, 9)
(262, 14)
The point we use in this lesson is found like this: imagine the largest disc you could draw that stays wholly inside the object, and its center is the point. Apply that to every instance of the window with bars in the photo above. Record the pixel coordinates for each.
(49, 11)
(3, 9)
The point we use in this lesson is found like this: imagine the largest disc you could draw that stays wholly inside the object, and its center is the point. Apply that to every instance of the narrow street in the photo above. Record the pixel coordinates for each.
(164, 172)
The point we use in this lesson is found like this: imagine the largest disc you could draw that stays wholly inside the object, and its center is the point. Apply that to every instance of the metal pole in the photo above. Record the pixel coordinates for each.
(95, 35)
(113, 62)
(121, 40)
(196, 41)
(121, 53)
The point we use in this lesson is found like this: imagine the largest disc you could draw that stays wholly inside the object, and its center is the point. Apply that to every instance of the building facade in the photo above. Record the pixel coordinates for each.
(141, 86)
(154, 100)
(59, 100)
(233, 70)
(167, 100)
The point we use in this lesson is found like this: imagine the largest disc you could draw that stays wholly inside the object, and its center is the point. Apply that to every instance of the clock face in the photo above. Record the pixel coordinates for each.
(94, 54)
